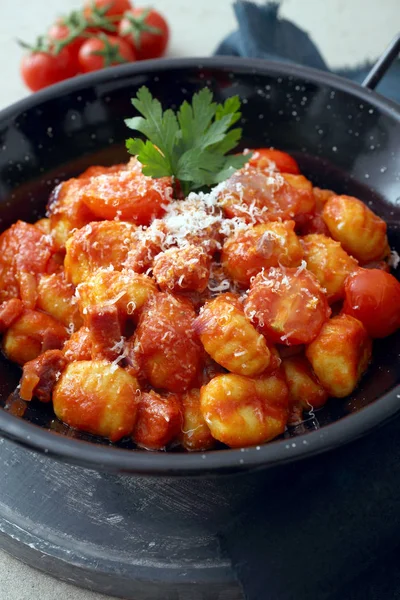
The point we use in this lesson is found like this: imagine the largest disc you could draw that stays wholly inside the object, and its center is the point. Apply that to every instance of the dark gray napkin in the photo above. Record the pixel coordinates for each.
(263, 34)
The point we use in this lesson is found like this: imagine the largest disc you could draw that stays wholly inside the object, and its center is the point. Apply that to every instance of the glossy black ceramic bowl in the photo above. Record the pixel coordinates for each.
(344, 137)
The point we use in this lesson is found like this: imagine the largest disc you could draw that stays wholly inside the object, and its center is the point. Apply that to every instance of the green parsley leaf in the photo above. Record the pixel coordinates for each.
(148, 154)
(230, 107)
(191, 145)
(195, 119)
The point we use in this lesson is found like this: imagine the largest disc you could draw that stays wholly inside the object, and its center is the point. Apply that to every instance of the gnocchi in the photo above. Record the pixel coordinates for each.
(95, 245)
(360, 231)
(214, 320)
(260, 247)
(98, 397)
(340, 354)
(229, 337)
(195, 435)
(329, 262)
(241, 411)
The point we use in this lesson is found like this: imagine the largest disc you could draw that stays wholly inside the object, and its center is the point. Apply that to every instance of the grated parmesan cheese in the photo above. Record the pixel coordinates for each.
(199, 216)
(301, 268)
(119, 346)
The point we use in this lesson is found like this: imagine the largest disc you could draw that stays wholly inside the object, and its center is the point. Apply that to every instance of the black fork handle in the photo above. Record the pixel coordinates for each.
(382, 65)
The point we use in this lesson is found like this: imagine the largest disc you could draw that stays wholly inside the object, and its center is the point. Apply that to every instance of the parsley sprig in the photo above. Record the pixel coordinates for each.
(190, 145)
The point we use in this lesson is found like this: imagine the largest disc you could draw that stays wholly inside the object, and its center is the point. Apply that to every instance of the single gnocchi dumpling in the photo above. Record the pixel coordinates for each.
(360, 231)
(97, 246)
(159, 420)
(57, 297)
(166, 347)
(195, 435)
(229, 337)
(182, 269)
(243, 412)
(304, 190)
(330, 264)
(126, 290)
(245, 254)
(340, 354)
(32, 333)
(98, 397)
(67, 211)
(305, 391)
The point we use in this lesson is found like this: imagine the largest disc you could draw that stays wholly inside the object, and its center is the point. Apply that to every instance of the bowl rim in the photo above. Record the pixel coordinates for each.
(254, 65)
(111, 458)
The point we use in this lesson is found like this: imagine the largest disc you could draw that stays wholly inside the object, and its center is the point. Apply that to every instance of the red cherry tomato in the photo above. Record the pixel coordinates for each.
(287, 305)
(147, 32)
(262, 158)
(373, 297)
(116, 7)
(258, 197)
(105, 51)
(59, 32)
(41, 69)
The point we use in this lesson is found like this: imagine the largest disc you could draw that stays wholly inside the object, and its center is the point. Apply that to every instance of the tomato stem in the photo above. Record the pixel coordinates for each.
(78, 25)
(41, 45)
(137, 26)
(110, 53)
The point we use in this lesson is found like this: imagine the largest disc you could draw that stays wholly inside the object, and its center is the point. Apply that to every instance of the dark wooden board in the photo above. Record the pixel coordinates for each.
(325, 528)
(136, 538)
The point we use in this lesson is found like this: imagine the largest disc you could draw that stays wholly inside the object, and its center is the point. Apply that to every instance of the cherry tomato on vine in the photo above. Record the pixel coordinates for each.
(373, 297)
(111, 8)
(146, 30)
(104, 51)
(59, 32)
(283, 161)
(41, 69)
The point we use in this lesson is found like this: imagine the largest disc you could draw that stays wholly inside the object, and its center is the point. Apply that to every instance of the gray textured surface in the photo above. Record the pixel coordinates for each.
(139, 538)
(346, 32)
(20, 582)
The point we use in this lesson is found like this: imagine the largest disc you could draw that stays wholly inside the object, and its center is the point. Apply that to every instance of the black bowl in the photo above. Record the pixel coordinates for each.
(345, 138)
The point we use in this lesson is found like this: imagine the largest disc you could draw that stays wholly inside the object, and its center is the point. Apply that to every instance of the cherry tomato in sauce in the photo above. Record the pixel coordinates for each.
(264, 158)
(287, 305)
(373, 297)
